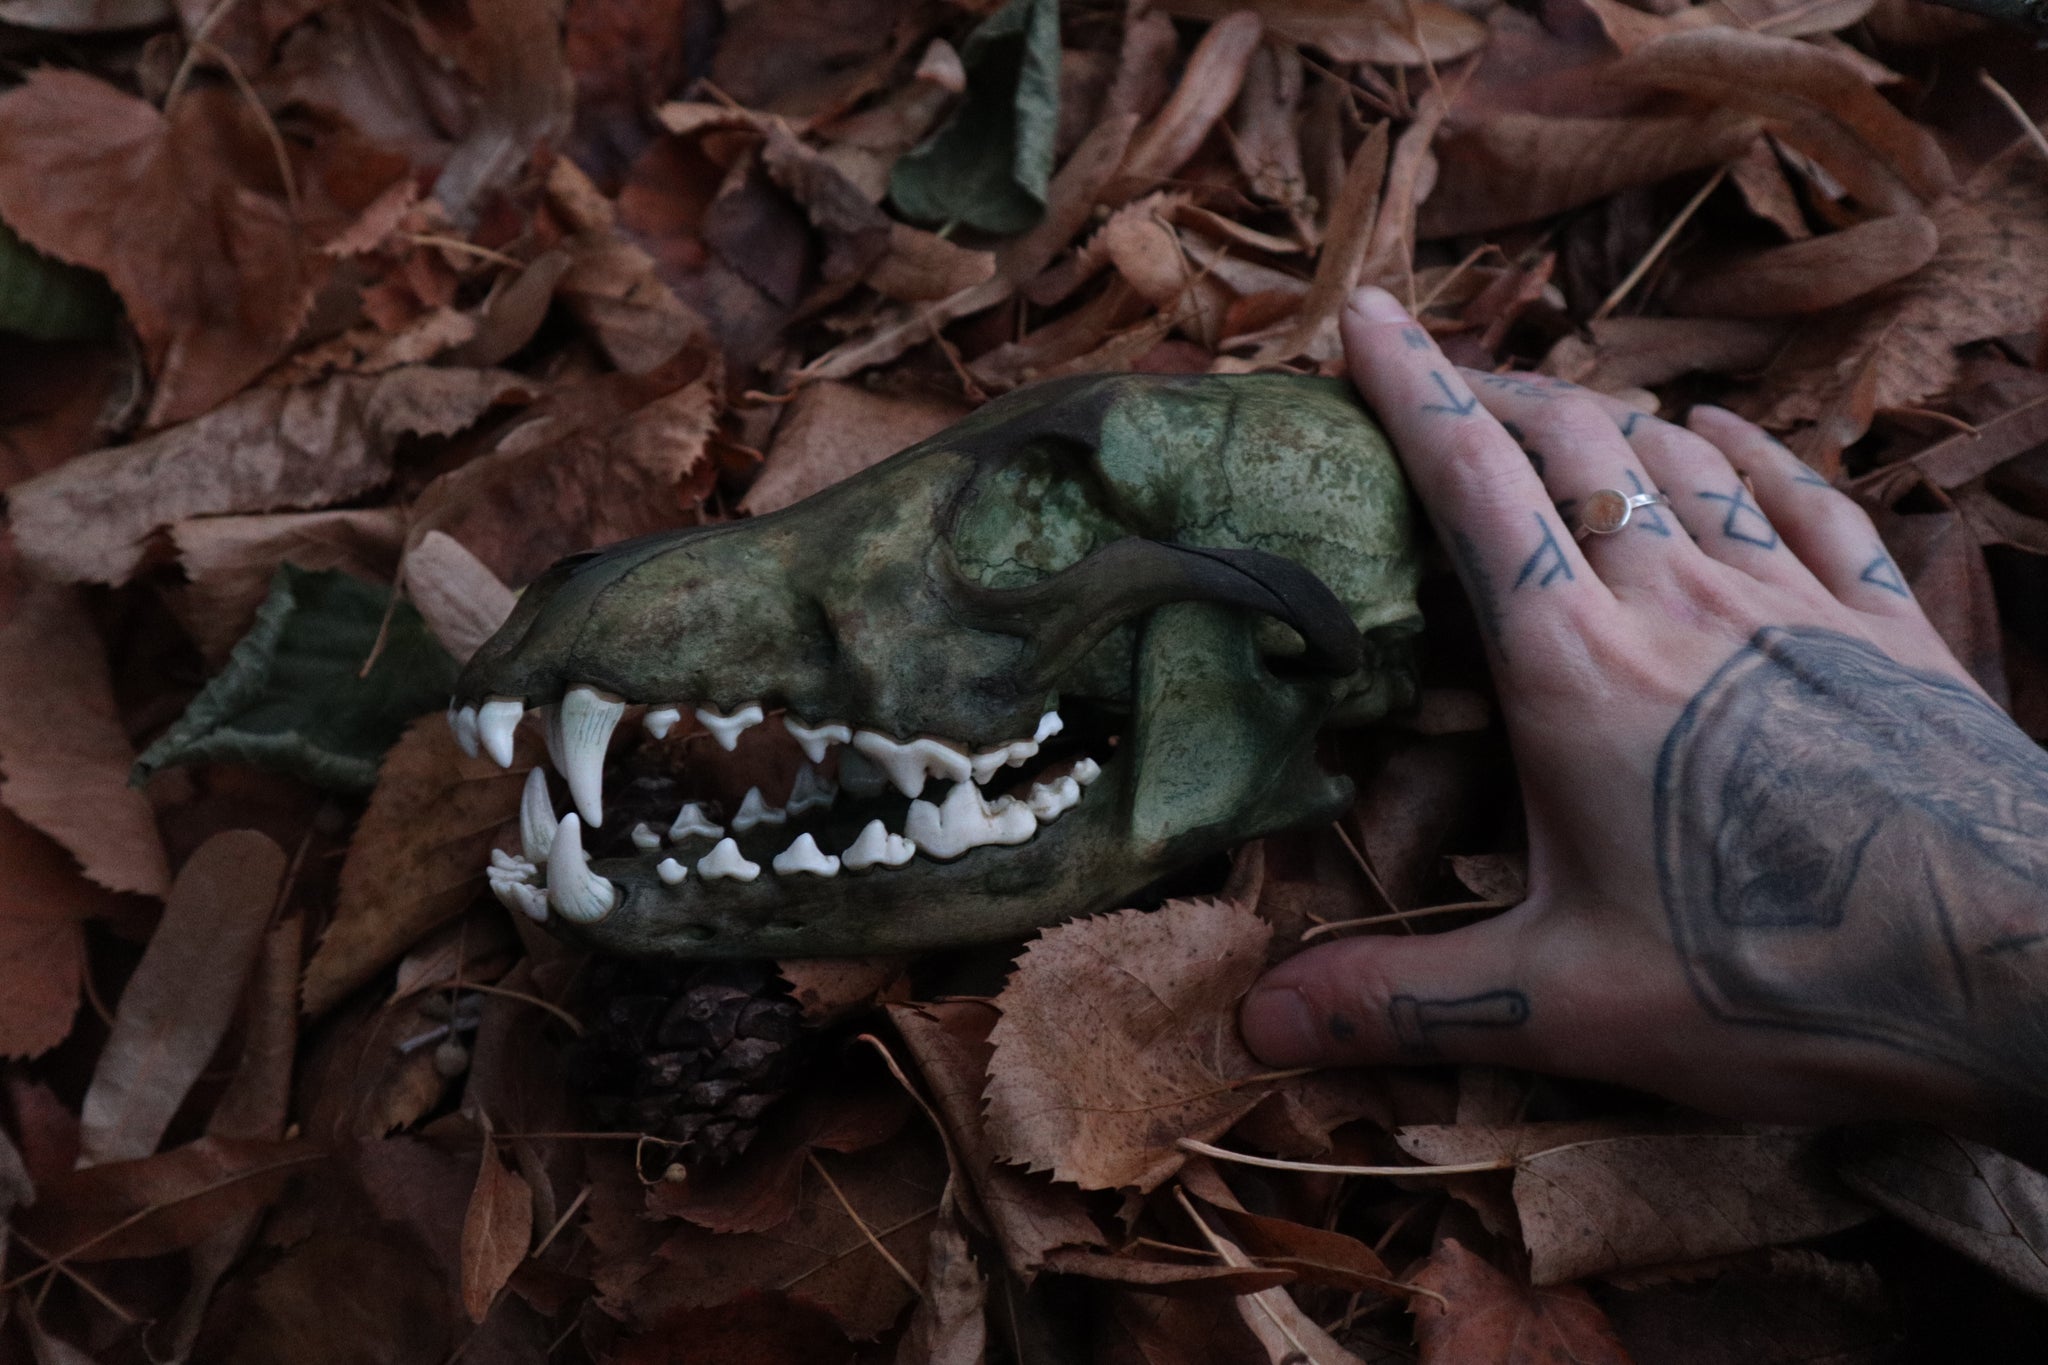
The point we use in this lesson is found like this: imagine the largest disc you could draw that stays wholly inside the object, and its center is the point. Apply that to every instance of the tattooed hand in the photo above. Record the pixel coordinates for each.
(1786, 860)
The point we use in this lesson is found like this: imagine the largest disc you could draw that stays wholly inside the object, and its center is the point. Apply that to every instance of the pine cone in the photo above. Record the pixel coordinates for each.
(690, 1052)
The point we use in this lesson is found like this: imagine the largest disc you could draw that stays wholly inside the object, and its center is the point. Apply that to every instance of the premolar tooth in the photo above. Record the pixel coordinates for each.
(462, 720)
(577, 894)
(495, 722)
(726, 729)
(1049, 725)
(584, 722)
(670, 871)
(755, 810)
(529, 901)
(809, 790)
(816, 740)
(877, 846)
(1086, 771)
(726, 860)
(644, 838)
(1015, 754)
(690, 823)
(1050, 800)
(804, 856)
(661, 719)
(909, 764)
(536, 818)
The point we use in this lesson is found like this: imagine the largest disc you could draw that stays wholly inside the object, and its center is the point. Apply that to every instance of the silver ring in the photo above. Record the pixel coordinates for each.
(1607, 510)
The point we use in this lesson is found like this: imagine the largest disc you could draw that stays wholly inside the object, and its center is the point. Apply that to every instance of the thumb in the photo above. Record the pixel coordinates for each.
(1461, 996)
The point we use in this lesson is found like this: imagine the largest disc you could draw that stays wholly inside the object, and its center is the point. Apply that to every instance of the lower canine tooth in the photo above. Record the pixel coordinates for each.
(661, 720)
(462, 720)
(670, 871)
(536, 818)
(690, 824)
(805, 856)
(877, 846)
(644, 838)
(577, 894)
(726, 860)
(755, 810)
(816, 739)
(584, 723)
(726, 729)
(495, 722)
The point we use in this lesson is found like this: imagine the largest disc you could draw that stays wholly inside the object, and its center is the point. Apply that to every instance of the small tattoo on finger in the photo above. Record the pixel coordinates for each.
(1881, 572)
(1453, 404)
(1548, 563)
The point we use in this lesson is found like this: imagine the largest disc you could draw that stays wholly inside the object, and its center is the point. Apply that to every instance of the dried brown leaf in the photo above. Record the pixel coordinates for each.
(1961, 1193)
(495, 1232)
(418, 856)
(177, 1006)
(43, 904)
(1380, 31)
(1635, 353)
(832, 431)
(948, 1326)
(463, 602)
(1812, 275)
(64, 754)
(1214, 72)
(921, 266)
(1119, 1037)
(230, 561)
(1474, 1313)
(325, 442)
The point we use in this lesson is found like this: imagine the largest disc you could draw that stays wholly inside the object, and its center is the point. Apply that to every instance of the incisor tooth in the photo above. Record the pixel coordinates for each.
(495, 722)
(726, 729)
(576, 893)
(816, 740)
(505, 864)
(804, 855)
(670, 871)
(755, 810)
(660, 720)
(809, 790)
(529, 901)
(644, 838)
(877, 846)
(536, 818)
(690, 823)
(584, 723)
(726, 860)
(462, 720)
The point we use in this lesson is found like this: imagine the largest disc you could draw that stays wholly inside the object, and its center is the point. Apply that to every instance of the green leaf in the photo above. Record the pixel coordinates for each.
(290, 699)
(988, 165)
(47, 299)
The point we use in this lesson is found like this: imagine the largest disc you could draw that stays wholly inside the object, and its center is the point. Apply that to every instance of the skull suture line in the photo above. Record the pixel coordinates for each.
(1081, 640)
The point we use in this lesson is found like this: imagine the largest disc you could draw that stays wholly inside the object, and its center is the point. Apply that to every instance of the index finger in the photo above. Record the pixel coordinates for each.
(1519, 563)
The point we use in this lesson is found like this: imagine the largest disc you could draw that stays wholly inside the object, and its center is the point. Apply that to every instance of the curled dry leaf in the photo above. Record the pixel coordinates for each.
(1634, 353)
(1119, 1037)
(1215, 71)
(218, 284)
(176, 1008)
(948, 1326)
(418, 856)
(1813, 275)
(496, 1231)
(89, 521)
(1474, 1312)
(64, 755)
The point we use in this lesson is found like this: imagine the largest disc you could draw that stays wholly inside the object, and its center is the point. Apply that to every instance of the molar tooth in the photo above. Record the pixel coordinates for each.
(644, 838)
(877, 846)
(927, 829)
(670, 871)
(809, 790)
(727, 729)
(529, 901)
(577, 894)
(495, 722)
(585, 721)
(909, 764)
(755, 810)
(536, 818)
(660, 720)
(462, 720)
(1049, 725)
(726, 860)
(816, 740)
(804, 856)
(690, 822)
(1086, 771)
(1050, 800)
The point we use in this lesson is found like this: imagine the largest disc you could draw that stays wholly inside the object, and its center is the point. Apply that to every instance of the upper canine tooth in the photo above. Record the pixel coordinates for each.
(536, 818)
(690, 822)
(726, 729)
(577, 894)
(462, 720)
(495, 722)
(755, 810)
(909, 764)
(809, 790)
(1049, 725)
(877, 845)
(584, 722)
(726, 860)
(803, 855)
(816, 740)
(644, 838)
(661, 719)
(1086, 771)
(670, 871)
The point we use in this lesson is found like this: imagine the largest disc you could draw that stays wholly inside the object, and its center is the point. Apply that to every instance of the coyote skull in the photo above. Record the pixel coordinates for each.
(1073, 644)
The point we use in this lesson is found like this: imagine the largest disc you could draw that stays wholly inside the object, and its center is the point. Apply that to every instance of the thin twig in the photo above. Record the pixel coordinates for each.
(1225, 1249)
(1327, 1168)
(1358, 855)
(456, 244)
(2013, 107)
(58, 1264)
(1658, 247)
(861, 1223)
(1398, 916)
(582, 1197)
(270, 133)
(575, 1025)
(205, 30)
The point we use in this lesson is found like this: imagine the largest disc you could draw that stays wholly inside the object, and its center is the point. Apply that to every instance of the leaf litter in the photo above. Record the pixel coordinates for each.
(412, 303)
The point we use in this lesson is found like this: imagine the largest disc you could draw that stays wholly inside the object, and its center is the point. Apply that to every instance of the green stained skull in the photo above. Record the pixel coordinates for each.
(1073, 644)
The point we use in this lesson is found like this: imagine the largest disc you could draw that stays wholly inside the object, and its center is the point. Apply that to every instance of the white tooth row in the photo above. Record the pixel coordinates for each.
(943, 832)
(579, 730)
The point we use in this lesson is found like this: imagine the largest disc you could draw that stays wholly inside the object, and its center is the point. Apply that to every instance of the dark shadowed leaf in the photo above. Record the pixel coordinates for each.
(1475, 1313)
(1961, 1193)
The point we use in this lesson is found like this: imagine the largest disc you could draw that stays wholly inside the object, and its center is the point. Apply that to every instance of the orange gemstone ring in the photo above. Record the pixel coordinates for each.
(1608, 510)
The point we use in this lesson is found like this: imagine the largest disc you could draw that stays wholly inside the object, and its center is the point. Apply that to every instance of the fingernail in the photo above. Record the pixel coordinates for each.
(1279, 1027)
(1377, 305)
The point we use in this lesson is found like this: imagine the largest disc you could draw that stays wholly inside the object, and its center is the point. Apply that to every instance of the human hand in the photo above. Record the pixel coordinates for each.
(1786, 860)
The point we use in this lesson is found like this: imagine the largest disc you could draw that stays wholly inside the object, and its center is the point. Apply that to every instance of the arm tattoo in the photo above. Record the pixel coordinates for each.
(1416, 1020)
(1882, 573)
(1452, 404)
(1756, 530)
(1548, 563)
(1848, 847)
